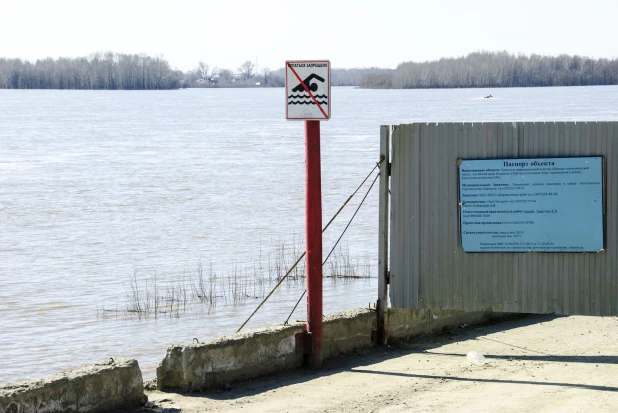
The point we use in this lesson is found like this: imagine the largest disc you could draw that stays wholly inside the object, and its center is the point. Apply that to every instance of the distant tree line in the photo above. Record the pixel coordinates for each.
(353, 77)
(501, 69)
(247, 75)
(98, 71)
(116, 71)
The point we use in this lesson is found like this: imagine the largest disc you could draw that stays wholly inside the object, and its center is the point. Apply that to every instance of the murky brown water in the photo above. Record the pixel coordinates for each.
(97, 186)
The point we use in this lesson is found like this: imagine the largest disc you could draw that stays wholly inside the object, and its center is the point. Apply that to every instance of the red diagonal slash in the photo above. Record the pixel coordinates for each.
(308, 91)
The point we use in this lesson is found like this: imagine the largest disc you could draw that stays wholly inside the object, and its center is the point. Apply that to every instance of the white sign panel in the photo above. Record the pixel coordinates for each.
(307, 85)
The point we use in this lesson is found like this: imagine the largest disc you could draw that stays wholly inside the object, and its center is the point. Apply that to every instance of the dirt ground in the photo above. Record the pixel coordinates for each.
(534, 364)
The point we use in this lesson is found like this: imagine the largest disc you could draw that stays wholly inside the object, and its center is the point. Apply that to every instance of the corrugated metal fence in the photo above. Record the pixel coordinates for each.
(428, 267)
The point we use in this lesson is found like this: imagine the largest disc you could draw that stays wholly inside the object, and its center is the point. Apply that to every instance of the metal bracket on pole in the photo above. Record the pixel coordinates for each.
(304, 343)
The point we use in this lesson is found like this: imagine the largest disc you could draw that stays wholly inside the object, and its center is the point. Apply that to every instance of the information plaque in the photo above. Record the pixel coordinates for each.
(542, 205)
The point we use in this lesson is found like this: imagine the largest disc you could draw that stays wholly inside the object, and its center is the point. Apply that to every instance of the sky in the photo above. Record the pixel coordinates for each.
(350, 33)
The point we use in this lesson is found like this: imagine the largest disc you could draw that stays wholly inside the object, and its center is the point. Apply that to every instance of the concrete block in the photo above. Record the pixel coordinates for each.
(94, 388)
(404, 323)
(347, 331)
(227, 359)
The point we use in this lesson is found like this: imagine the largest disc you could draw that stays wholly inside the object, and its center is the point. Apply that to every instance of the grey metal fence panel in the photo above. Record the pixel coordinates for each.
(428, 267)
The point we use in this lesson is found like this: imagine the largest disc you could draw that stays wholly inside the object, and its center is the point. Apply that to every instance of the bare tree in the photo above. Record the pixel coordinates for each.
(266, 72)
(246, 70)
(225, 76)
(202, 70)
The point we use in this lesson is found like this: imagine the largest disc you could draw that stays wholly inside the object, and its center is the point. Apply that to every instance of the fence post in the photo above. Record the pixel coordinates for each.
(382, 303)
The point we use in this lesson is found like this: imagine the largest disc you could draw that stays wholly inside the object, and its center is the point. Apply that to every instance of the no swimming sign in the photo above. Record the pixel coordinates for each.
(307, 85)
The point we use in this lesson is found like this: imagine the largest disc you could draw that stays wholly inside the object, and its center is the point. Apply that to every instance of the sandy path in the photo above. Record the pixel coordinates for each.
(536, 363)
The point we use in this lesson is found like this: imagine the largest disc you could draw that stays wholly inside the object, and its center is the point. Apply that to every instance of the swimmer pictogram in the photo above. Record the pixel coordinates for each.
(311, 86)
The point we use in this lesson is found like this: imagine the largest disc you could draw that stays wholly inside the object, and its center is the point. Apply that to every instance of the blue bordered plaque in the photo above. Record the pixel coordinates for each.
(542, 205)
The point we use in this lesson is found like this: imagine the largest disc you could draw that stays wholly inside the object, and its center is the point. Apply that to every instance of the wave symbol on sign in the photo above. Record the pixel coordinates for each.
(303, 97)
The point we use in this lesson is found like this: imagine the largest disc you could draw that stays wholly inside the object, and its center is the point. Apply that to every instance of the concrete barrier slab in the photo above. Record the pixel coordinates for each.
(90, 389)
(249, 355)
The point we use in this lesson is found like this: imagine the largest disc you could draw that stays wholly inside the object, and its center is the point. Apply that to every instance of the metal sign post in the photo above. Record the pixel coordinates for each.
(313, 231)
(308, 99)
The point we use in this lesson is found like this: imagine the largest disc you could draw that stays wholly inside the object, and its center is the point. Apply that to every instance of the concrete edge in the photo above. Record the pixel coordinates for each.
(94, 388)
(263, 351)
(109, 386)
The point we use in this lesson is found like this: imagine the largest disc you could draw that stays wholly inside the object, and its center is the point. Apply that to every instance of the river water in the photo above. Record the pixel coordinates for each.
(101, 189)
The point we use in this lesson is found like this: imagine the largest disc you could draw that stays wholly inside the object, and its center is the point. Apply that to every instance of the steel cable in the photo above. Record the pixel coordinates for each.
(377, 165)
(335, 246)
